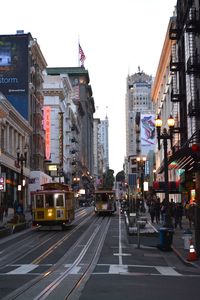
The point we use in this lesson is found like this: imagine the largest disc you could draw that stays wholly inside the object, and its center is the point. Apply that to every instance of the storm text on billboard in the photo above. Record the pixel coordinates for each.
(14, 70)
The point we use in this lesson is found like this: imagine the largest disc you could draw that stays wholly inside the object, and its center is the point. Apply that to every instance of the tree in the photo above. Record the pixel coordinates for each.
(108, 179)
(120, 176)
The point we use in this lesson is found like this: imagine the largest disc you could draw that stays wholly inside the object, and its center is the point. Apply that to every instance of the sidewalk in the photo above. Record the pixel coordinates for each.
(178, 242)
(5, 222)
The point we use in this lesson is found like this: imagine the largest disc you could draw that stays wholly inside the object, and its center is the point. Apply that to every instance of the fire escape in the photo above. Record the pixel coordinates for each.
(177, 94)
(193, 62)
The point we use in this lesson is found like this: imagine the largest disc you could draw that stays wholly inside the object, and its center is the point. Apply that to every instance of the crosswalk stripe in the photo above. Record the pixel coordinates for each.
(23, 269)
(168, 271)
(116, 269)
(111, 269)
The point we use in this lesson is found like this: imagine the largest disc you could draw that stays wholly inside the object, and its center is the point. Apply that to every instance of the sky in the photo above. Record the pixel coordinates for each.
(116, 36)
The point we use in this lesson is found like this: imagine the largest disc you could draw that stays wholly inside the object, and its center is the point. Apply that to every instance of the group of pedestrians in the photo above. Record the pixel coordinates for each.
(166, 212)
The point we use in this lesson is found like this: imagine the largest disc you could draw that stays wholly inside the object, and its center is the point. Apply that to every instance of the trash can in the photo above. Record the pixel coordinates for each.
(187, 236)
(166, 238)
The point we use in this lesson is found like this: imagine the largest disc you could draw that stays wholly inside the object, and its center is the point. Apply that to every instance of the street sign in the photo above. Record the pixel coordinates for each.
(132, 180)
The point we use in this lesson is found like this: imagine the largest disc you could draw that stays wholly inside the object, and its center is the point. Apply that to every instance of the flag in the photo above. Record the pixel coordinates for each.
(82, 56)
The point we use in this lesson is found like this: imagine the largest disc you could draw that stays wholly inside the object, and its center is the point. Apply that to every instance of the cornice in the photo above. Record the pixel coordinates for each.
(162, 66)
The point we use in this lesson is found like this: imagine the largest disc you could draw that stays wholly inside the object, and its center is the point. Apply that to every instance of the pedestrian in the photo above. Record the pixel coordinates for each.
(163, 210)
(152, 211)
(157, 210)
(6, 210)
(178, 214)
(190, 214)
(171, 208)
(186, 206)
(1, 212)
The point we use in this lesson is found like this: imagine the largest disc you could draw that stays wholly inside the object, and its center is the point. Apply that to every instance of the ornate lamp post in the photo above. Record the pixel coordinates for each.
(21, 160)
(165, 136)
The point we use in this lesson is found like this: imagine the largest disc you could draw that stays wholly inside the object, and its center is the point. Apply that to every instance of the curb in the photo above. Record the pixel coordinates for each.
(187, 263)
(10, 228)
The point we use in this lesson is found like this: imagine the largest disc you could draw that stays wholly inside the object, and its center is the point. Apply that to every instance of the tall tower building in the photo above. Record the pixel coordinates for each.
(139, 113)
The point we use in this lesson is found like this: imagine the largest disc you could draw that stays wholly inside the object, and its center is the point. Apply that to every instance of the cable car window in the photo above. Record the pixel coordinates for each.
(59, 200)
(49, 200)
(39, 201)
(102, 197)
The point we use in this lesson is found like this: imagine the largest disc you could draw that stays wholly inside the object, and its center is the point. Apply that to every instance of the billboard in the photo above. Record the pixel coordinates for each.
(14, 70)
(147, 130)
(47, 128)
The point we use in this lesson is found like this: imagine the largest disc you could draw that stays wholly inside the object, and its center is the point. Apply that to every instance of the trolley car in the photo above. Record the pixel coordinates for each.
(105, 202)
(53, 205)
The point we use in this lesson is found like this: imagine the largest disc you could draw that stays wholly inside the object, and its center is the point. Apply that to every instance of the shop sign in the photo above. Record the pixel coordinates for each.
(2, 182)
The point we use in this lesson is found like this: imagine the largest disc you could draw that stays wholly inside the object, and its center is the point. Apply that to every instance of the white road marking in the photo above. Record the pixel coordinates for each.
(168, 271)
(120, 238)
(23, 269)
(122, 254)
(74, 270)
(116, 269)
(112, 269)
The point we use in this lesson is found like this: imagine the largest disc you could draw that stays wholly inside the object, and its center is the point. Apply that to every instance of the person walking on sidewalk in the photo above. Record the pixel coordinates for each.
(163, 210)
(152, 211)
(1, 212)
(190, 214)
(157, 210)
(178, 214)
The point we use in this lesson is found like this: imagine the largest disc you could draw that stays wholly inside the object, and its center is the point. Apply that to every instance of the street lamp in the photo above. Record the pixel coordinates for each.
(21, 160)
(165, 136)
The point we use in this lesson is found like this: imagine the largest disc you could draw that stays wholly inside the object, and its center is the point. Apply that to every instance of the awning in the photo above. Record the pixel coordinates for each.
(186, 159)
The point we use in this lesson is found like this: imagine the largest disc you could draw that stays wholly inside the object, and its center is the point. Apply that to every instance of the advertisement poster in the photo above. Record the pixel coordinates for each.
(14, 71)
(147, 130)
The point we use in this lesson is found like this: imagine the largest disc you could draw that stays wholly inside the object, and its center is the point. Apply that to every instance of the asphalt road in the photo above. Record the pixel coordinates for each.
(95, 259)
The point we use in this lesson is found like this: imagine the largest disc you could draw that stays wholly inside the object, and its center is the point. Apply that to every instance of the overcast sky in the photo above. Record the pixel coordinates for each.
(116, 36)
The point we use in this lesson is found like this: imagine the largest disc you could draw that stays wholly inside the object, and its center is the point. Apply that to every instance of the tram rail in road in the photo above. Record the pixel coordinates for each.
(64, 277)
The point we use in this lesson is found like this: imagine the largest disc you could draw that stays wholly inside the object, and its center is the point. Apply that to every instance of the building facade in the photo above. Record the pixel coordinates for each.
(15, 132)
(104, 140)
(181, 64)
(22, 65)
(140, 129)
(138, 102)
(83, 160)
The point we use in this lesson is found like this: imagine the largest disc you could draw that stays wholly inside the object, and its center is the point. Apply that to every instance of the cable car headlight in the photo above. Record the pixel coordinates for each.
(50, 213)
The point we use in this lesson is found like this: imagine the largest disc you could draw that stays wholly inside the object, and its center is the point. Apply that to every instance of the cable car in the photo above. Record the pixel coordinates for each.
(104, 201)
(53, 205)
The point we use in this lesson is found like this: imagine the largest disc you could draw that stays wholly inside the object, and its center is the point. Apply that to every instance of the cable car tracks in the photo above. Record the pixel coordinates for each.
(76, 263)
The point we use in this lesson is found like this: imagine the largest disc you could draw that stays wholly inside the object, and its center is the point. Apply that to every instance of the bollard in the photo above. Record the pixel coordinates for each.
(187, 236)
(140, 224)
(132, 217)
(138, 234)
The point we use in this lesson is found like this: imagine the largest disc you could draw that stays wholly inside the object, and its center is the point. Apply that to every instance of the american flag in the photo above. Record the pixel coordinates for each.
(82, 56)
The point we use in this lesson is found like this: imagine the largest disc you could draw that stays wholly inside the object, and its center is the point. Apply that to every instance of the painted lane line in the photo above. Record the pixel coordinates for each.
(120, 240)
(122, 254)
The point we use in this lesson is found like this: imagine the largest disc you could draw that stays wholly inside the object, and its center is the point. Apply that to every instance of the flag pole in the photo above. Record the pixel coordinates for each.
(78, 52)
